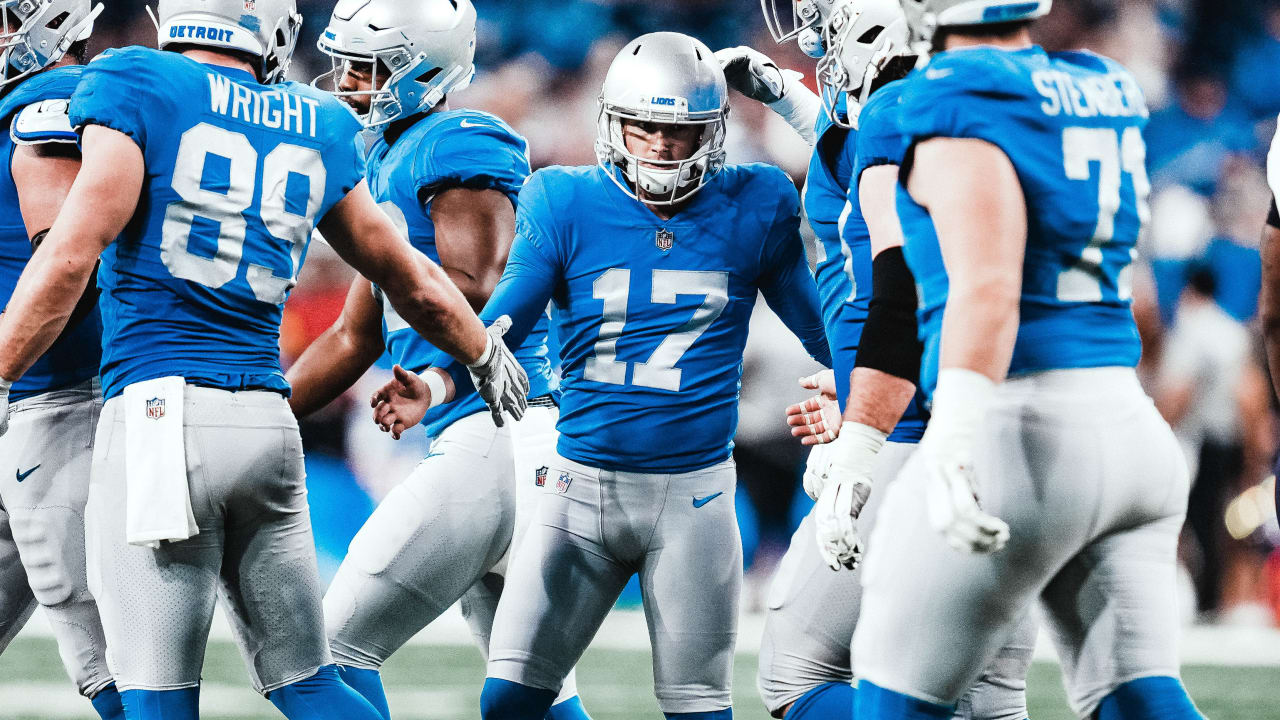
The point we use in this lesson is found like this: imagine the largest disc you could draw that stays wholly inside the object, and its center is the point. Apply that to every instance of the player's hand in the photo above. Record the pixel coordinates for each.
(836, 521)
(4, 405)
(498, 376)
(401, 403)
(947, 448)
(753, 74)
(816, 420)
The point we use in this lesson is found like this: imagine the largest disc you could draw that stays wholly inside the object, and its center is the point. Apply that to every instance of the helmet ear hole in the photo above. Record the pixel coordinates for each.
(870, 35)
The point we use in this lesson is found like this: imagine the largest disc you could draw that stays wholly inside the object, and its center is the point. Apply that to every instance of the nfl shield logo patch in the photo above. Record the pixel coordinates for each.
(664, 239)
(540, 476)
(155, 408)
(562, 485)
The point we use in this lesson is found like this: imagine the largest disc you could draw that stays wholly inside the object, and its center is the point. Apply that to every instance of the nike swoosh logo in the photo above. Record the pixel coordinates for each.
(23, 475)
(467, 124)
(699, 502)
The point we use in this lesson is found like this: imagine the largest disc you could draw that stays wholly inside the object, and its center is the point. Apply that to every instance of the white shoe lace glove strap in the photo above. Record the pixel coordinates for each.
(960, 404)
(498, 377)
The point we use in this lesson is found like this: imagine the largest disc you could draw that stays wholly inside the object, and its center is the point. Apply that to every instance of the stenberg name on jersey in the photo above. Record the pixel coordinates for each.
(1114, 95)
(274, 109)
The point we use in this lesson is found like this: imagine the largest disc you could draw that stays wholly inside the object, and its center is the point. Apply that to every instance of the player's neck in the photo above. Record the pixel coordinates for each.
(666, 212)
(221, 59)
(1019, 40)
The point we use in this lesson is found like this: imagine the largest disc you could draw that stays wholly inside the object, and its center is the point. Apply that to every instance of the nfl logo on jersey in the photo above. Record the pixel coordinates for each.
(155, 408)
(562, 485)
(540, 476)
(664, 239)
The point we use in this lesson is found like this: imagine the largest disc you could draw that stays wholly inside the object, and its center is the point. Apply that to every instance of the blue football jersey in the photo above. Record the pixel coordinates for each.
(880, 142)
(74, 357)
(237, 175)
(456, 148)
(1071, 123)
(652, 314)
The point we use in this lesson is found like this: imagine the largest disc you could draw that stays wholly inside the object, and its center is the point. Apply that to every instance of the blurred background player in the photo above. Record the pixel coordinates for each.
(449, 178)
(1037, 192)
(654, 260)
(55, 405)
(805, 666)
(197, 486)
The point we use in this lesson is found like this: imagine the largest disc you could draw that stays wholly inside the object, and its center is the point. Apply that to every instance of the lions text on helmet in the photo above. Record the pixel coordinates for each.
(661, 127)
(35, 34)
(396, 59)
(267, 29)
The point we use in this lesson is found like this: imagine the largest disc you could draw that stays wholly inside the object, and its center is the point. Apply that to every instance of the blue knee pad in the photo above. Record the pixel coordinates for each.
(107, 703)
(1149, 698)
(506, 700)
(369, 684)
(570, 709)
(875, 703)
(725, 714)
(321, 696)
(181, 704)
(829, 701)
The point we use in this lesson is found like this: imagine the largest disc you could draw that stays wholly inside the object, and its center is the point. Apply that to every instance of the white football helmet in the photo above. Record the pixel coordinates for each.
(862, 37)
(266, 28)
(427, 46)
(924, 17)
(666, 78)
(35, 34)
(799, 20)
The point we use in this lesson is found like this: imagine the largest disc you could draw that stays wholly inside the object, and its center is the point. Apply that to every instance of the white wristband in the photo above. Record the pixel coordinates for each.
(799, 106)
(961, 398)
(5, 385)
(856, 447)
(435, 386)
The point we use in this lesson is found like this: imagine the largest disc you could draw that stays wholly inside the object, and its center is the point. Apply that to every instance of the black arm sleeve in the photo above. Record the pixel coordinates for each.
(889, 341)
(1273, 218)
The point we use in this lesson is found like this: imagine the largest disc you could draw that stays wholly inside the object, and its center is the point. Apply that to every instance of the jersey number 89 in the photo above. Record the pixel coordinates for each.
(291, 225)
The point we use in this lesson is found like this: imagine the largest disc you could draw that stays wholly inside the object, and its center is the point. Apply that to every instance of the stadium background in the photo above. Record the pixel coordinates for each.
(1211, 72)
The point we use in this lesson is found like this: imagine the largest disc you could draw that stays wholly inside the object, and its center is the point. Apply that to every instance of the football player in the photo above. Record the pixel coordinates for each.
(805, 665)
(1024, 191)
(449, 178)
(214, 172)
(56, 404)
(653, 260)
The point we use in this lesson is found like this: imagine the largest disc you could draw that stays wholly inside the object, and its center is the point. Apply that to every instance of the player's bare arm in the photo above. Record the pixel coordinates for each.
(474, 230)
(1269, 299)
(337, 359)
(98, 206)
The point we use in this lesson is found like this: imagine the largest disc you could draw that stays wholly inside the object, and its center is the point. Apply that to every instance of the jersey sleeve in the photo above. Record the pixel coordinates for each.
(880, 141)
(120, 91)
(785, 281)
(473, 152)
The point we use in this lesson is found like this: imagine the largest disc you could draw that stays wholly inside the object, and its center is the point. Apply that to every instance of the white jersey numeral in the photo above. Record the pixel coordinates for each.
(1115, 154)
(227, 209)
(659, 371)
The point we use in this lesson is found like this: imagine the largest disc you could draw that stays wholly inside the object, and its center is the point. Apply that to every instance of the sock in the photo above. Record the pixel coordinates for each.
(725, 714)
(875, 703)
(829, 701)
(506, 700)
(570, 709)
(181, 704)
(1149, 698)
(107, 703)
(322, 695)
(369, 684)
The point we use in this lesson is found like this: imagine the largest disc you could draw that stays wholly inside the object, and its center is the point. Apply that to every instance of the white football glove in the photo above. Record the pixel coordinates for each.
(959, 404)
(759, 78)
(4, 405)
(843, 489)
(498, 376)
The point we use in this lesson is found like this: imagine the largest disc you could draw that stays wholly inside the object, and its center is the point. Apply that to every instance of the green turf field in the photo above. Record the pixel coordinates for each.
(444, 682)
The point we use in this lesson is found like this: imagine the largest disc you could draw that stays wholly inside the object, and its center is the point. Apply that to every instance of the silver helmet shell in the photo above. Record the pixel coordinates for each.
(924, 17)
(861, 36)
(35, 34)
(799, 20)
(665, 78)
(266, 28)
(428, 47)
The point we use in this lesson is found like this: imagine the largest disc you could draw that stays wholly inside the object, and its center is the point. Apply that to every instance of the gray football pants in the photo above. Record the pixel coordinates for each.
(1094, 488)
(440, 536)
(812, 612)
(254, 549)
(44, 482)
(596, 528)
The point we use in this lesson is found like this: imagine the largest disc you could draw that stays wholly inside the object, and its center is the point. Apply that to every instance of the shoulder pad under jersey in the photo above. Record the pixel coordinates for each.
(43, 122)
